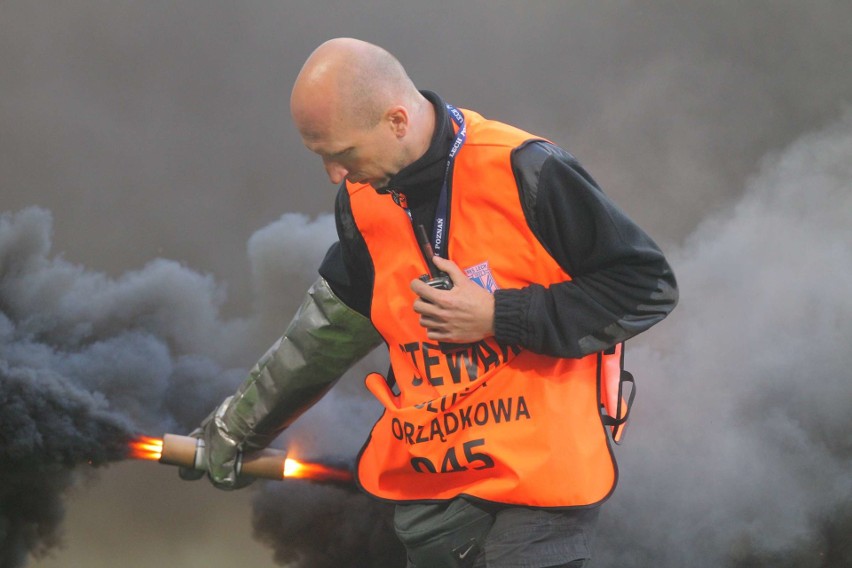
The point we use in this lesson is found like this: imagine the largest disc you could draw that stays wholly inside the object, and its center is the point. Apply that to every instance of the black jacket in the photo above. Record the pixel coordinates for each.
(621, 283)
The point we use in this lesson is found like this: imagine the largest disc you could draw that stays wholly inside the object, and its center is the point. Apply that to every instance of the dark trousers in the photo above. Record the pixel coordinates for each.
(465, 534)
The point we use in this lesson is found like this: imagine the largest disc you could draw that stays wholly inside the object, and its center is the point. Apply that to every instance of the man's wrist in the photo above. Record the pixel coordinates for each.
(511, 307)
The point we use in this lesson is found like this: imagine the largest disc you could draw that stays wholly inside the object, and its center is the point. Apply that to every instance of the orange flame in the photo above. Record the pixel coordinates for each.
(302, 470)
(146, 448)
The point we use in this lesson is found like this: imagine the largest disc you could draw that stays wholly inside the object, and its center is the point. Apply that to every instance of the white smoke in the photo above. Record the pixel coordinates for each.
(741, 453)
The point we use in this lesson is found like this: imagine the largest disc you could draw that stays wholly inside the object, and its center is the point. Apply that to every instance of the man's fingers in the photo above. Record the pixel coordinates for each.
(431, 322)
(426, 292)
(450, 267)
(420, 288)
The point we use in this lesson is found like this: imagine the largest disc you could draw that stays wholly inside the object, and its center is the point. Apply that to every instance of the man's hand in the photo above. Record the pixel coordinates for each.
(464, 314)
(221, 452)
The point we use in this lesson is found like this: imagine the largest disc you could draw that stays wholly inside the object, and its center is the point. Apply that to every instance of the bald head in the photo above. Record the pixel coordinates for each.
(347, 79)
(348, 87)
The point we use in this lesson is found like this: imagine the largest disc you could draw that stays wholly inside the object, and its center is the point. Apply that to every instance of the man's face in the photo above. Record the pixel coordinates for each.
(357, 154)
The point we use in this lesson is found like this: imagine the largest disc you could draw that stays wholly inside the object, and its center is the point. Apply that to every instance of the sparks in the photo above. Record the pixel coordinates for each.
(146, 448)
(295, 469)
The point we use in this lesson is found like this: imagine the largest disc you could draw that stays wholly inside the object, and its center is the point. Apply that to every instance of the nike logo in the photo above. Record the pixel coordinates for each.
(463, 555)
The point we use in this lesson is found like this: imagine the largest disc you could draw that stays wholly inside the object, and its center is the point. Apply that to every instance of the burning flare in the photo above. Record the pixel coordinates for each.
(146, 448)
(189, 452)
(302, 470)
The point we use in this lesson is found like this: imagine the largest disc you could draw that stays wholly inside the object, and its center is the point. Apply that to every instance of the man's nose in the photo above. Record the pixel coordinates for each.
(336, 172)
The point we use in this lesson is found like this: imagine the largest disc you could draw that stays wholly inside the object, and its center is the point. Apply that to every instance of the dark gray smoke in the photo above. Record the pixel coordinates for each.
(742, 453)
(320, 528)
(48, 426)
(739, 453)
(317, 526)
(154, 129)
(87, 362)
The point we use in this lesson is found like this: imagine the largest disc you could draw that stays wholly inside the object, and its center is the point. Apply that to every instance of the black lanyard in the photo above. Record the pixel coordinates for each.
(439, 229)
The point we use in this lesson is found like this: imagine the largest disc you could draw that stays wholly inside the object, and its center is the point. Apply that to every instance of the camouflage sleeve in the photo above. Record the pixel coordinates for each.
(324, 339)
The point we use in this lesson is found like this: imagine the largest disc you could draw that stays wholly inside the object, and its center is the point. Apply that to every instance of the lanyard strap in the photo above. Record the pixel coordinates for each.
(439, 229)
(442, 211)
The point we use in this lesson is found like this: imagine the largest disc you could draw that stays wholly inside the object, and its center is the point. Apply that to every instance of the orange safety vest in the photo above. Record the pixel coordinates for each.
(490, 421)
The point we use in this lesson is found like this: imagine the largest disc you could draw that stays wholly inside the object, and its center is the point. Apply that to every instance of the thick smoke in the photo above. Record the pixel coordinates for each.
(322, 528)
(87, 362)
(326, 527)
(48, 426)
(161, 129)
(738, 456)
(741, 449)
(317, 526)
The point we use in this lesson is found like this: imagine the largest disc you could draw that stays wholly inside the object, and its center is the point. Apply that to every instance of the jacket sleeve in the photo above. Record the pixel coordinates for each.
(324, 339)
(621, 284)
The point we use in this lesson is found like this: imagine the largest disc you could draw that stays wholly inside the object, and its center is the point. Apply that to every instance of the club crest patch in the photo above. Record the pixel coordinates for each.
(481, 275)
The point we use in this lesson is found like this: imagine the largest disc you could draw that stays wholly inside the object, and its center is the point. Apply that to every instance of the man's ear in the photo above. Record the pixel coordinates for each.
(398, 119)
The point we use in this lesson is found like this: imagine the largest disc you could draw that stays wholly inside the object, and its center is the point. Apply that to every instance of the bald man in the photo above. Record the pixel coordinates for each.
(503, 282)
